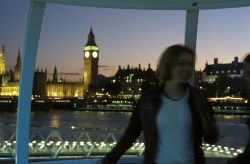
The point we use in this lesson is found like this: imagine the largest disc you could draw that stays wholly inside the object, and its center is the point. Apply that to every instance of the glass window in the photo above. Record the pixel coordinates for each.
(223, 34)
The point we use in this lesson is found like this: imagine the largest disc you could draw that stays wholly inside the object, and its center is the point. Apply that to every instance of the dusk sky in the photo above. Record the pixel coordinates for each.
(123, 36)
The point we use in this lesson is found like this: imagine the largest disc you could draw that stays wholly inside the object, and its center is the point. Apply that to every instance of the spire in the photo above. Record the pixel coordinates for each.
(3, 49)
(55, 70)
(91, 31)
(91, 38)
(46, 72)
(149, 67)
(18, 61)
(55, 75)
(19, 54)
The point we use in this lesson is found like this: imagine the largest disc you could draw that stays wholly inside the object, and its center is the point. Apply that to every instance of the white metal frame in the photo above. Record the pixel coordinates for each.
(36, 13)
(155, 4)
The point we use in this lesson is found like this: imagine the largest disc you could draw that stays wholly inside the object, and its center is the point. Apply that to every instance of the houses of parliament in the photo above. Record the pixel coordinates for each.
(55, 87)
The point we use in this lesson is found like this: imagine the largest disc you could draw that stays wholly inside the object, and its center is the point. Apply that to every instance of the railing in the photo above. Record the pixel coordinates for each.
(53, 143)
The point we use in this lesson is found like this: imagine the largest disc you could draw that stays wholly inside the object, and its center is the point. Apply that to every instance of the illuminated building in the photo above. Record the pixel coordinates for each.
(134, 80)
(64, 89)
(61, 88)
(41, 86)
(9, 84)
(9, 89)
(2, 61)
(212, 71)
(17, 69)
(90, 59)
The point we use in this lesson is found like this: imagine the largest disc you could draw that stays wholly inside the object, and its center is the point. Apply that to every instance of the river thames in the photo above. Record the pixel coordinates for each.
(81, 119)
(65, 126)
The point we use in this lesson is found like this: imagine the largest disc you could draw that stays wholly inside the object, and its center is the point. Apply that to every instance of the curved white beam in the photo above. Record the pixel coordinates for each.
(155, 4)
(33, 29)
(191, 27)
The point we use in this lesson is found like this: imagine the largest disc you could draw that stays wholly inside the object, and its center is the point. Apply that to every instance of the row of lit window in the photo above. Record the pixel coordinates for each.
(129, 80)
(217, 72)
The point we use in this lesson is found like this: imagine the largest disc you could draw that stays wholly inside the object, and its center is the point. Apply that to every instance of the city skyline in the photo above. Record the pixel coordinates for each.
(221, 34)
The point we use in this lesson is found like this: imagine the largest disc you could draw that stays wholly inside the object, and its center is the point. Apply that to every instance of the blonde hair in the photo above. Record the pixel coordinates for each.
(168, 60)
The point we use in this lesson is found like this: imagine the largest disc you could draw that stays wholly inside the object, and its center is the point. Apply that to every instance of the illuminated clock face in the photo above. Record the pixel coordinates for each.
(86, 54)
(94, 54)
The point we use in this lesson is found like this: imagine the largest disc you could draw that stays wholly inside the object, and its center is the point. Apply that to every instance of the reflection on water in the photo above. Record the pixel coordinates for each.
(54, 121)
(230, 132)
(68, 118)
(232, 118)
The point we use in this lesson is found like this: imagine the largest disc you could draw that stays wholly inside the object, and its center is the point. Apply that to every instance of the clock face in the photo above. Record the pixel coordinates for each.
(94, 54)
(86, 54)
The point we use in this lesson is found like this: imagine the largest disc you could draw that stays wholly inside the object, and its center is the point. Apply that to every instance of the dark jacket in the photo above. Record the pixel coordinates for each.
(144, 118)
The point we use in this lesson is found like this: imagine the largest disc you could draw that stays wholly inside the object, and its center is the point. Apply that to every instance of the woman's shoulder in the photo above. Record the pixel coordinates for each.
(195, 93)
(151, 92)
(193, 89)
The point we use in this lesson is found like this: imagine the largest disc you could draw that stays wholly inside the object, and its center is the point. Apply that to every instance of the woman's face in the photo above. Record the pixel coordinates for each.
(184, 68)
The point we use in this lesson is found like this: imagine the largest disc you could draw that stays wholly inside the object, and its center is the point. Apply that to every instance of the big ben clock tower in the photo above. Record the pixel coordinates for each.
(90, 59)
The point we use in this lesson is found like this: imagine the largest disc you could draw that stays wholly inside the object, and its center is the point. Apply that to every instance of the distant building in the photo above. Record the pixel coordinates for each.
(55, 76)
(9, 87)
(9, 81)
(212, 71)
(128, 82)
(42, 87)
(61, 88)
(17, 69)
(133, 80)
(2, 61)
(90, 59)
(64, 89)
(40, 83)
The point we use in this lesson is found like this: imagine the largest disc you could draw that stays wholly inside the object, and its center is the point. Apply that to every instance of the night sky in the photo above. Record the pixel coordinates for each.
(123, 36)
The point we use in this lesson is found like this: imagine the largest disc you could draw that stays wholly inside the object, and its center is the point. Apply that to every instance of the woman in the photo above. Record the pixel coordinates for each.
(173, 116)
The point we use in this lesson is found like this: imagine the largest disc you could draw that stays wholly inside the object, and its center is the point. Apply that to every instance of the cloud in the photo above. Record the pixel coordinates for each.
(104, 66)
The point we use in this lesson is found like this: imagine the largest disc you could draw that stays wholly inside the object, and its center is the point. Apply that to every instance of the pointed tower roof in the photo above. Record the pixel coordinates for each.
(55, 70)
(19, 56)
(91, 38)
(3, 49)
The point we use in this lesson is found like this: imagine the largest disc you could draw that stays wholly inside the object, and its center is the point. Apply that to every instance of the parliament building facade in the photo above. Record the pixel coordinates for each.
(55, 87)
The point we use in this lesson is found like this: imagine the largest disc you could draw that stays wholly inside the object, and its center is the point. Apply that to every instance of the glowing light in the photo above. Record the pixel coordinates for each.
(91, 48)
(86, 54)
(94, 54)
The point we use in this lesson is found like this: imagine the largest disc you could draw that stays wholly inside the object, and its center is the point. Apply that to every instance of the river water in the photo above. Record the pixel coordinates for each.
(233, 132)
(68, 118)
